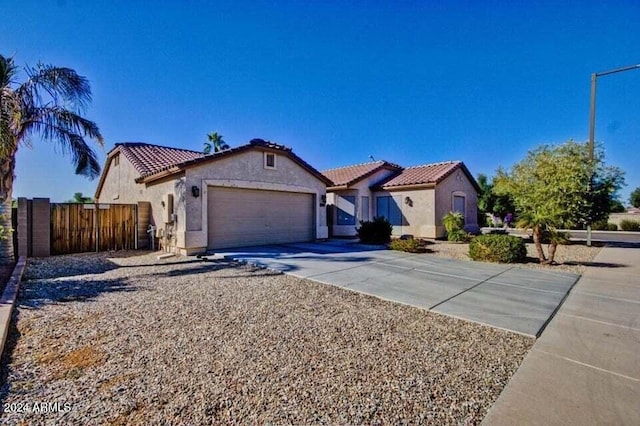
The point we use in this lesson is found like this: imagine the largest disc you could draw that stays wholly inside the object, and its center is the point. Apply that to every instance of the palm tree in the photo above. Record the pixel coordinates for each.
(543, 228)
(215, 142)
(49, 104)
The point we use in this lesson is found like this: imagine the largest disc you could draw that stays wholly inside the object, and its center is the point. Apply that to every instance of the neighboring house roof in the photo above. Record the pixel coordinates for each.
(155, 162)
(427, 174)
(349, 175)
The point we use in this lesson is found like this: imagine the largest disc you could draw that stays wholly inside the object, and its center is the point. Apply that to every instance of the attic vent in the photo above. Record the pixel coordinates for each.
(269, 160)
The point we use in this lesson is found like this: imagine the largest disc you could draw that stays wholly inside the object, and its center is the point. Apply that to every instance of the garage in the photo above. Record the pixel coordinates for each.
(245, 217)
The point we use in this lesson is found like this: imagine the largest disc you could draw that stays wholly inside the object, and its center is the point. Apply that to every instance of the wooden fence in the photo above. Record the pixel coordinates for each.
(77, 228)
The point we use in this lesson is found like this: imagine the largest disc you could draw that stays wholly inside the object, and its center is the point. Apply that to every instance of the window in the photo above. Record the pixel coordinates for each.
(116, 160)
(269, 160)
(346, 210)
(389, 207)
(458, 204)
(364, 208)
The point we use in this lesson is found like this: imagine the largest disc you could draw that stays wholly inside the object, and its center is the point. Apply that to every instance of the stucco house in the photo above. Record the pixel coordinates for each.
(258, 193)
(414, 199)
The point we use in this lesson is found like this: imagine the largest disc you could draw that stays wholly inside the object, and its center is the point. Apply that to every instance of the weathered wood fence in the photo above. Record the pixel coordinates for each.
(77, 228)
(45, 228)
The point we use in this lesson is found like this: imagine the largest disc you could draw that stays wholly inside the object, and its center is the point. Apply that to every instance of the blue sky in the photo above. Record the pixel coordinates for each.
(409, 82)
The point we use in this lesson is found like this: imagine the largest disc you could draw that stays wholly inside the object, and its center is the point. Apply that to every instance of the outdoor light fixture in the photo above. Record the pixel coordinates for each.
(408, 201)
(195, 191)
(592, 126)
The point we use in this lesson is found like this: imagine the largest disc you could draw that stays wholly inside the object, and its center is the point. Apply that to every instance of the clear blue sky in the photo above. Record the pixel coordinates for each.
(409, 82)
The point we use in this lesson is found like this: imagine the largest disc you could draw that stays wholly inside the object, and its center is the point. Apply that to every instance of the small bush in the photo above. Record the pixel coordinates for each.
(599, 225)
(409, 245)
(453, 223)
(612, 227)
(498, 248)
(377, 231)
(629, 225)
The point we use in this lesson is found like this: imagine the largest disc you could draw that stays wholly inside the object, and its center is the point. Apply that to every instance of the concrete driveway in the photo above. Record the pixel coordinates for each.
(502, 296)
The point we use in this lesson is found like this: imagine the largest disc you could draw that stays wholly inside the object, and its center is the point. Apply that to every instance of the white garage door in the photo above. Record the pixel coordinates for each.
(245, 217)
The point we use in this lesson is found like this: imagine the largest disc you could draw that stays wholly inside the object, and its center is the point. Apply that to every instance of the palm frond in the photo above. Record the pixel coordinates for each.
(68, 131)
(47, 84)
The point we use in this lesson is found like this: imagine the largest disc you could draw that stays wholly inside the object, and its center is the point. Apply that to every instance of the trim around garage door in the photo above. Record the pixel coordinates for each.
(243, 184)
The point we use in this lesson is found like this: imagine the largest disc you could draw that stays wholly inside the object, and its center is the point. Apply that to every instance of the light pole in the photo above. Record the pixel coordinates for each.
(592, 126)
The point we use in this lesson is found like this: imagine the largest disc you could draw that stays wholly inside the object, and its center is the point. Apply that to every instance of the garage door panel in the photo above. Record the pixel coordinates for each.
(239, 217)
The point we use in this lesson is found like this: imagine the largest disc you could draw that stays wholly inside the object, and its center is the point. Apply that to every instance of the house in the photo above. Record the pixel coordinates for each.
(258, 193)
(413, 199)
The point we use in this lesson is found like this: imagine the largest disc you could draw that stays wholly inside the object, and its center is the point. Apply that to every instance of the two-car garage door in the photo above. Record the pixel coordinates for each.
(244, 217)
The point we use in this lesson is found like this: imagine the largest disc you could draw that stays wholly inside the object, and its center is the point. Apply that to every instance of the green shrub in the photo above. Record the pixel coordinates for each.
(453, 223)
(410, 245)
(599, 225)
(612, 227)
(629, 225)
(498, 248)
(377, 231)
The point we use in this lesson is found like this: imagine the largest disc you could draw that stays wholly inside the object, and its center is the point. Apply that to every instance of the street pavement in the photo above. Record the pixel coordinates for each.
(498, 295)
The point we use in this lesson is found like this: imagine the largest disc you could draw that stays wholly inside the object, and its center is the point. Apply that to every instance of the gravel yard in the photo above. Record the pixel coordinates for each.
(123, 338)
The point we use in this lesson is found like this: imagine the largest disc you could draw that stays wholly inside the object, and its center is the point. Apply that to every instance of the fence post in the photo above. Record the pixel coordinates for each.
(24, 225)
(97, 225)
(41, 228)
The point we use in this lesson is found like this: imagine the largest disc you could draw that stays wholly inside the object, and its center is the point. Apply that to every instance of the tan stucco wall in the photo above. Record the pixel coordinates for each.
(120, 187)
(359, 189)
(456, 184)
(246, 170)
(418, 214)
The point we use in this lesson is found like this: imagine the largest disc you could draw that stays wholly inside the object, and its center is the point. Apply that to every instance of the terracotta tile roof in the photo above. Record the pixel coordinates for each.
(148, 159)
(348, 175)
(420, 175)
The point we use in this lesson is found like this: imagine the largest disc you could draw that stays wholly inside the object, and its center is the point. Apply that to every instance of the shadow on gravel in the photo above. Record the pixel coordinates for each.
(34, 295)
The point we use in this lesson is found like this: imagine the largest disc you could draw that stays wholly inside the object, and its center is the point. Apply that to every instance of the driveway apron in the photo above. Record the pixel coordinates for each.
(502, 296)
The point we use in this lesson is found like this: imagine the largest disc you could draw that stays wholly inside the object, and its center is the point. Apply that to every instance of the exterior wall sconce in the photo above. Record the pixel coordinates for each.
(323, 200)
(408, 201)
(195, 191)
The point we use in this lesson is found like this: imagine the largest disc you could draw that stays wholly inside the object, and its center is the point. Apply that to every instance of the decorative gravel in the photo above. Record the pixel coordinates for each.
(127, 339)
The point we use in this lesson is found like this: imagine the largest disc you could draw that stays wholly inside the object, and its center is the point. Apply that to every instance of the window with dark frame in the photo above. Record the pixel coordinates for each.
(346, 210)
(269, 160)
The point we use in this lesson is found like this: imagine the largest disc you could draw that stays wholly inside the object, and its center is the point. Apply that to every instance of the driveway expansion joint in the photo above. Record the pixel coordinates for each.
(470, 288)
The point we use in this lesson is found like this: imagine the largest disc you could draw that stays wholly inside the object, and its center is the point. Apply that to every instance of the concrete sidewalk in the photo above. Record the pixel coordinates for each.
(585, 368)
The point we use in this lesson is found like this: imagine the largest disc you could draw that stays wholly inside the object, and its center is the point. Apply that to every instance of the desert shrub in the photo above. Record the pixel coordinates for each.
(498, 248)
(603, 225)
(599, 225)
(410, 245)
(453, 223)
(376, 231)
(629, 225)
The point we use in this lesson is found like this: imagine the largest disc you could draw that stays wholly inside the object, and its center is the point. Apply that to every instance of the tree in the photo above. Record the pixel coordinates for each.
(80, 199)
(49, 103)
(490, 202)
(558, 187)
(617, 207)
(634, 199)
(215, 143)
